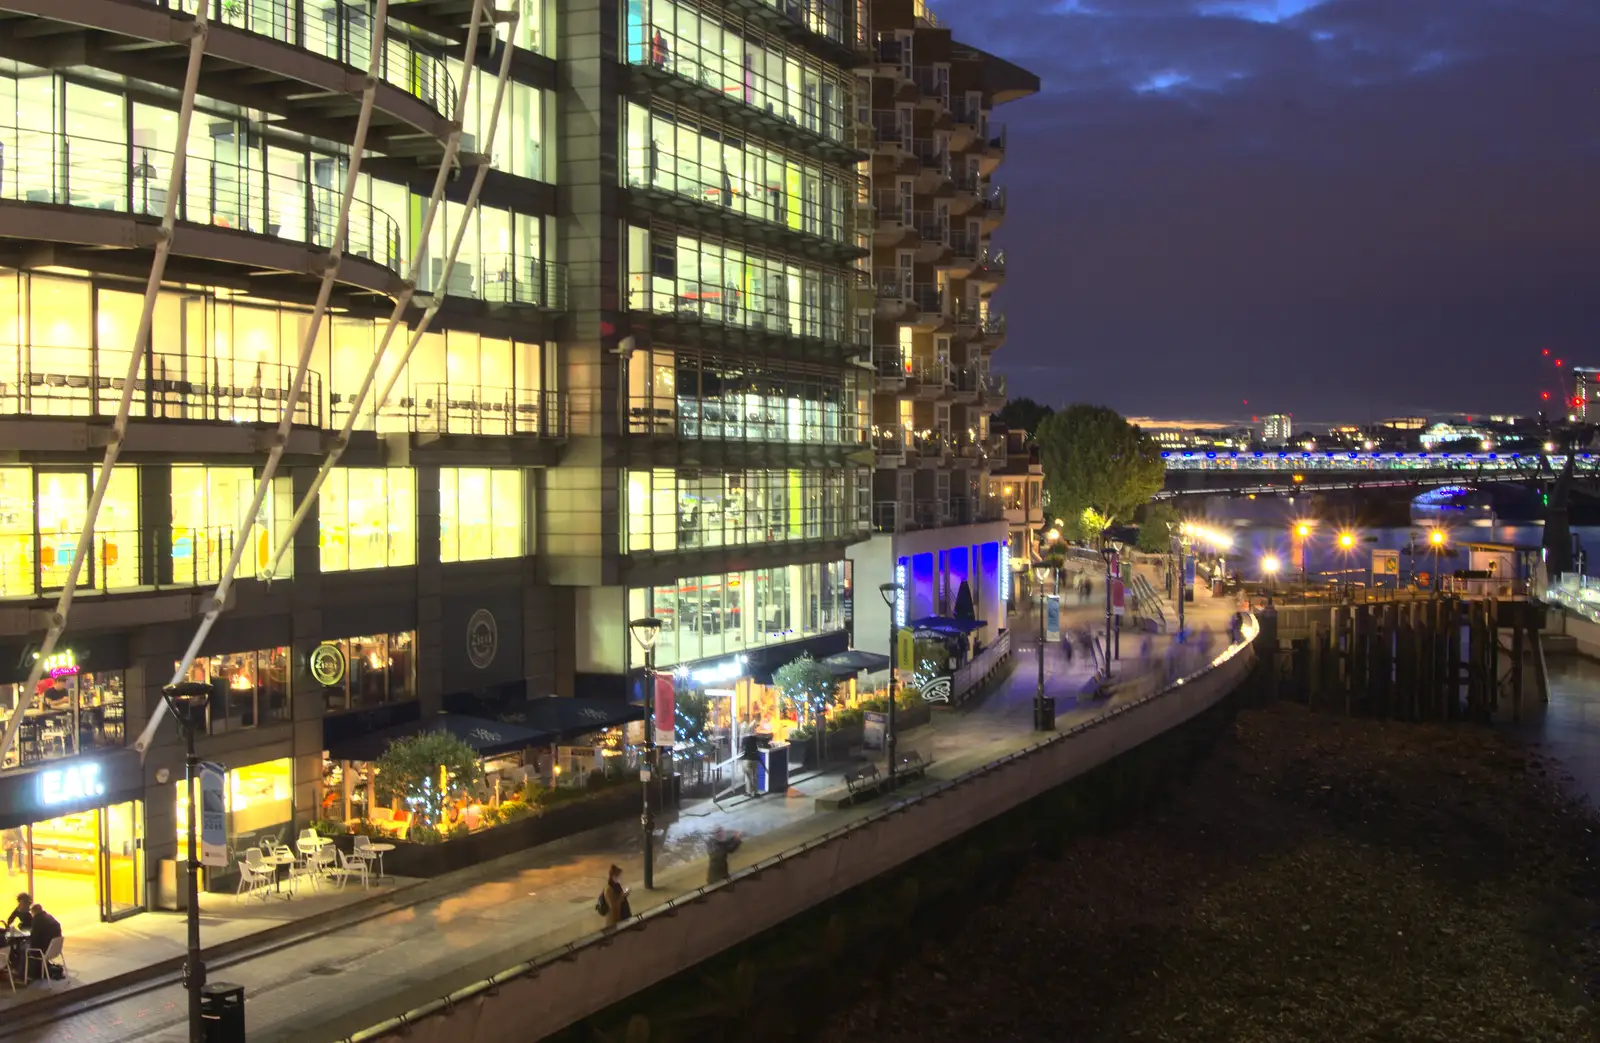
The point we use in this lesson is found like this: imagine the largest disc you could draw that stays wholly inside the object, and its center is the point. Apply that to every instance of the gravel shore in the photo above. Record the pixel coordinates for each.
(1318, 879)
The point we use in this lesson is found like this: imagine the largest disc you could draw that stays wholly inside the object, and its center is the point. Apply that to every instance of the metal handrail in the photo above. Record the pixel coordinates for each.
(341, 32)
(72, 170)
(652, 167)
(515, 279)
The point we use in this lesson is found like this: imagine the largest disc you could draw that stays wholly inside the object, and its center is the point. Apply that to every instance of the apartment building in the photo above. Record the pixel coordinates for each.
(1017, 483)
(936, 148)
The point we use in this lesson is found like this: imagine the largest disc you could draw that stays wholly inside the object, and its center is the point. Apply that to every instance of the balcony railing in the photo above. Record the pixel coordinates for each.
(70, 170)
(49, 381)
(930, 373)
(993, 197)
(888, 131)
(933, 82)
(466, 409)
(890, 364)
(992, 261)
(886, 516)
(993, 384)
(994, 324)
(714, 185)
(893, 283)
(997, 138)
(927, 297)
(341, 31)
(891, 206)
(966, 180)
(934, 155)
(736, 420)
(889, 440)
(891, 50)
(964, 244)
(968, 113)
(512, 279)
(930, 227)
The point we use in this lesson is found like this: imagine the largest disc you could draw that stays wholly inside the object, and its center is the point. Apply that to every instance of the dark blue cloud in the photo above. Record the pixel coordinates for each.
(1339, 207)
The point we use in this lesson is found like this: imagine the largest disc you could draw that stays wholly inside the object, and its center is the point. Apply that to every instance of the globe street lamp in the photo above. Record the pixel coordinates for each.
(1347, 545)
(645, 631)
(1041, 572)
(1436, 540)
(1269, 565)
(891, 597)
(188, 701)
(1303, 532)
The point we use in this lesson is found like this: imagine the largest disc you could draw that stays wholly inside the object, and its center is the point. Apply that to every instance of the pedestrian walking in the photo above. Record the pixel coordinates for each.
(613, 901)
(719, 846)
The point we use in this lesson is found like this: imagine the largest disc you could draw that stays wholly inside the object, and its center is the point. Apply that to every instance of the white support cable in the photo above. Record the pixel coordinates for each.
(342, 441)
(280, 439)
(141, 341)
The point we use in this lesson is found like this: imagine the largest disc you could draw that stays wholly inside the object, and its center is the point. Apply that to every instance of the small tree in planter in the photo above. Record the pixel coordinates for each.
(809, 686)
(425, 771)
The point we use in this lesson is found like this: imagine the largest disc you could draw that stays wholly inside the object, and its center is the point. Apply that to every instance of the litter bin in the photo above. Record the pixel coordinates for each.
(222, 1012)
(1044, 713)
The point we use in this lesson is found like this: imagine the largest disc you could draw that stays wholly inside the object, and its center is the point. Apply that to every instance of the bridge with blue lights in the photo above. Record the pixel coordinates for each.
(1201, 473)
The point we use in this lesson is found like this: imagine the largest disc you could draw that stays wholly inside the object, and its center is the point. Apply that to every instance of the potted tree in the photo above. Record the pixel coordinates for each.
(809, 686)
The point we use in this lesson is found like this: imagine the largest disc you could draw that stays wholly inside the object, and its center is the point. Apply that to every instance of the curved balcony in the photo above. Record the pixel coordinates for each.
(302, 60)
(464, 409)
(226, 213)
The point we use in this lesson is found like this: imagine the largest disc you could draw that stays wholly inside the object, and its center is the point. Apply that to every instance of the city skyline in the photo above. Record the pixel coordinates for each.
(1233, 193)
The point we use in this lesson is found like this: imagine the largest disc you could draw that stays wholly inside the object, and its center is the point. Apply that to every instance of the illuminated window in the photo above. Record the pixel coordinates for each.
(259, 798)
(480, 513)
(368, 518)
(43, 512)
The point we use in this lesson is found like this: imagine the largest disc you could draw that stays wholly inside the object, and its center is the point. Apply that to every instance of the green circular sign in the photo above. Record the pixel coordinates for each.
(328, 665)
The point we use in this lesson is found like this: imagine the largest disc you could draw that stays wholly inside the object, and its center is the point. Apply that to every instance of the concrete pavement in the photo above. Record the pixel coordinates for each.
(475, 923)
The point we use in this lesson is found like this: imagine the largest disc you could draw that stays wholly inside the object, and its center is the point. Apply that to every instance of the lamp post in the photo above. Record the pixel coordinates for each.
(891, 596)
(1303, 531)
(1347, 545)
(1041, 572)
(1436, 540)
(645, 631)
(188, 700)
(1269, 565)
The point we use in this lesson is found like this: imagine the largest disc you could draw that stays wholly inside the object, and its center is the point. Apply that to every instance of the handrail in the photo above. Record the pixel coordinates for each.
(78, 171)
(658, 168)
(897, 805)
(342, 32)
(512, 278)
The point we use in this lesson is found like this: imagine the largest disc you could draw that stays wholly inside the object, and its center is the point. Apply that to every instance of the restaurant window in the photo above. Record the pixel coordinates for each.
(360, 672)
(254, 687)
(259, 800)
(480, 513)
(368, 518)
(73, 712)
(43, 512)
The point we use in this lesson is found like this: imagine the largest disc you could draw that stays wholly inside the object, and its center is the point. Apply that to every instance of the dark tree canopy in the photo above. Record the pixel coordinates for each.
(1156, 523)
(1024, 414)
(1095, 460)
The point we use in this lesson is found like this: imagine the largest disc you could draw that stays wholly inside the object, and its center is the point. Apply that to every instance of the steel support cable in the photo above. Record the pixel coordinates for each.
(280, 437)
(141, 340)
(342, 442)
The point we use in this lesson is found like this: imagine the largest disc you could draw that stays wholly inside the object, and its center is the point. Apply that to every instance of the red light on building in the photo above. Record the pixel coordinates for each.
(1545, 395)
(1547, 352)
(1558, 362)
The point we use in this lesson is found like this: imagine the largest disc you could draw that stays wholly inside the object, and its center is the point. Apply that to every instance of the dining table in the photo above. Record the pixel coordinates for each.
(380, 848)
(280, 861)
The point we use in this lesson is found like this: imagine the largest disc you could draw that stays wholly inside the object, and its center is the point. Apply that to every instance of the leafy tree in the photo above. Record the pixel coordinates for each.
(1094, 459)
(1156, 524)
(1024, 414)
(692, 710)
(426, 771)
(806, 684)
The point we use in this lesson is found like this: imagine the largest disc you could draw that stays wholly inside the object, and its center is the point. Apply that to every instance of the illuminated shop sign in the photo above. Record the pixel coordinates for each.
(726, 670)
(328, 665)
(71, 785)
(61, 664)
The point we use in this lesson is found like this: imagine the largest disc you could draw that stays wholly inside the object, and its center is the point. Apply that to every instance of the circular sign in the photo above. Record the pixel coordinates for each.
(328, 665)
(483, 639)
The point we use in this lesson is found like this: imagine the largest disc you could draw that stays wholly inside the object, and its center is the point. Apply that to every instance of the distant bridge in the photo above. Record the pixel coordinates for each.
(1200, 473)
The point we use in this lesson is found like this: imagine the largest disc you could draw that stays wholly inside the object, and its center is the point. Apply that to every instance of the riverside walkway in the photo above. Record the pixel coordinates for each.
(348, 968)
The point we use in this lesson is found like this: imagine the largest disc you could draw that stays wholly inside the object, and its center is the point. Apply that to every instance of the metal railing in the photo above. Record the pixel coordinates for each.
(994, 324)
(930, 372)
(514, 279)
(886, 516)
(465, 409)
(927, 297)
(891, 50)
(887, 130)
(933, 155)
(735, 420)
(997, 139)
(967, 113)
(993, 197)
(930, 227)
(932, 82)
(36, 564)
(70, 170)
(992, 261)
(889, 440)
(966, 180)
(50, 381)
(964, 244)
(764, 200)
(341, 31)
(893, 283)
(890, 364)
(891, 206)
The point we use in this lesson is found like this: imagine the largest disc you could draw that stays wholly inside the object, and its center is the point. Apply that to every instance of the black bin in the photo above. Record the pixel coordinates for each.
(222, 1012)
(1044, 714)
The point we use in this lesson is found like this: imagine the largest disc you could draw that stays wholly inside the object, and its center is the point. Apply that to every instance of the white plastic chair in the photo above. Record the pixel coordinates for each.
(349, 866)
(255, 876)
(363, 850)
(51, 954)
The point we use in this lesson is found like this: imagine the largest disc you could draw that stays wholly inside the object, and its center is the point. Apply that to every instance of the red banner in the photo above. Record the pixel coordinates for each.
(666, 711)
(1116, 597)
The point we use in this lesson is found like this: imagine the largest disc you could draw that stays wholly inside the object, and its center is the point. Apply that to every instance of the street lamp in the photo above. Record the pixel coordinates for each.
(1303, 532)
(1436, 540)
(1041, 572)
(1109, 551)
(1269, 565)
(645, 631)
(1347, 544)
(188, 700)
(891, 597)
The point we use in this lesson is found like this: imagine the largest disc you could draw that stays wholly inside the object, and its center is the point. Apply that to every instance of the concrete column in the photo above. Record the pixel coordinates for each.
(430, 611)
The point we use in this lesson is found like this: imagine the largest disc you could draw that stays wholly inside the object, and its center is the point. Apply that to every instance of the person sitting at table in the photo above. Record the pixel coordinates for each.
(56, 698)
(45, 930)
(22, 915)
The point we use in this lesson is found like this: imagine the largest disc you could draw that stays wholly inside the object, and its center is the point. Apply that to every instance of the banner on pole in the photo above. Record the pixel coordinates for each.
(1117, 595)
(1052, 618)
(666, 711)
(213, 814)
(905, 650)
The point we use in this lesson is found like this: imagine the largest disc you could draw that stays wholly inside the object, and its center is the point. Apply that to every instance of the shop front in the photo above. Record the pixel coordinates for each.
(77, 705)
(259, 803)
(73, 835)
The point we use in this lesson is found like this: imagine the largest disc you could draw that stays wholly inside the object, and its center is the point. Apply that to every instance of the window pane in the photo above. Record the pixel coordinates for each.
(507, 515)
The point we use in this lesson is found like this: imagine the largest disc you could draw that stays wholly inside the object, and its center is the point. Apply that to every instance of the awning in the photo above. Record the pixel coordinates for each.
(485, 736)
(855, 661)
(555, 718)
(947, 624)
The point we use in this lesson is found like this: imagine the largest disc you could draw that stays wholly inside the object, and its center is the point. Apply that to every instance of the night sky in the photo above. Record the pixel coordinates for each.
(1344, 210)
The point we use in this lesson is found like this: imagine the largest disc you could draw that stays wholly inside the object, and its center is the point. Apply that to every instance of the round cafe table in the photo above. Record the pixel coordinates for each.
(380, 849)
(278, 863)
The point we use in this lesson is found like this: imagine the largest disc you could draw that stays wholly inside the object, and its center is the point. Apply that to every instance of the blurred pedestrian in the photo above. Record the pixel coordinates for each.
(719, 846)
(613, 901)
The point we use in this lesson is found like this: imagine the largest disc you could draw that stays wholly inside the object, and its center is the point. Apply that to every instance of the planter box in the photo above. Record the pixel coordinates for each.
(563, 820)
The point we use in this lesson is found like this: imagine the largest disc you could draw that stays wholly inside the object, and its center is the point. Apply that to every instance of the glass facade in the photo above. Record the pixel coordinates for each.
(259, 799)
(739, 61)
(73, 712)
(209, 508)
(672, 510)
(64, 351)
(706, 616)
(368, 518)
(724, 283)
(42, 512)
(71, 144)
(356, 673)
(694, 395)
(256, 686)
(701, 160)
(481, 512)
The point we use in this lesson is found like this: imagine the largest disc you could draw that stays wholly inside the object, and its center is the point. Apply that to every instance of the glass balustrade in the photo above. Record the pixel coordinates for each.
(342, 31)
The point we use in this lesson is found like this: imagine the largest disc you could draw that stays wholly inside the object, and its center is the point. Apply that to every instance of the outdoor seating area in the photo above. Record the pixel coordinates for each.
(275, 870)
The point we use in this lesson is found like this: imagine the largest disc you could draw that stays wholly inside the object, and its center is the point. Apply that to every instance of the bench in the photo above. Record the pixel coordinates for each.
(912, 764)
(867, 780)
